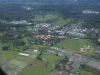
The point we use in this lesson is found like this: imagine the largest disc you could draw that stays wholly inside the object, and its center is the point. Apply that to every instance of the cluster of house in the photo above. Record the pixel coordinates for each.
(96, 54)
(85, 48)
(76, 30)
(56, 50)
(73, 59)
(61, 73)
(26, 7)
(90, 12)
(45, 37)
(59, 52)
(20, 22)
(43, 25)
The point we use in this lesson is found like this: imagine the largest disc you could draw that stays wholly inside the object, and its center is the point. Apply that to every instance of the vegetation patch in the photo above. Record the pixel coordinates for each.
(17, 62)
(23, 58)
(37, 63)
(43, 67)
(8, 55)
(73, 45)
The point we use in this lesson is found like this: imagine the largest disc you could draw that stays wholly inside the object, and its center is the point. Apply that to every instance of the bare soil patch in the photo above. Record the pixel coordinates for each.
(38, 63)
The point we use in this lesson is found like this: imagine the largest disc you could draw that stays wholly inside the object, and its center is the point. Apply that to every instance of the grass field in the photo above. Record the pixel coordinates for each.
(1, 59)
(24, 59)
(8, 55)
(73, 45)
(82, 72)
(55, 72)
(38, 63)
(1, 55)
(41, 70)
(17, 62)
(0, 47)
(39, 47)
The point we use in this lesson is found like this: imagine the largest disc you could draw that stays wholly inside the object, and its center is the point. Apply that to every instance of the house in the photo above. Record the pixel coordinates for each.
(60, 73)
(68, 67)
(71, 74)
(23, 54)
(70, 61)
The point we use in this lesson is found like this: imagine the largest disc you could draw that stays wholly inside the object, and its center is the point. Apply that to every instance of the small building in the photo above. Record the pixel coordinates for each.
(60, 73)
(71, 74)
(35, 50)
(68, 67)
(23, 54)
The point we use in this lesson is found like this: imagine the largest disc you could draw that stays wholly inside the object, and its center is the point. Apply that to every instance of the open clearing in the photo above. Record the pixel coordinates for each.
(37, 63)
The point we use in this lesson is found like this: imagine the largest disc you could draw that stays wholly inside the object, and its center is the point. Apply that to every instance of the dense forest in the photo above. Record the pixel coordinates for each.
(18, 11)
(53, 1)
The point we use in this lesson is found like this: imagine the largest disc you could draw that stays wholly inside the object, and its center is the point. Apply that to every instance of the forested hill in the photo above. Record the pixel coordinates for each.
(53, 1)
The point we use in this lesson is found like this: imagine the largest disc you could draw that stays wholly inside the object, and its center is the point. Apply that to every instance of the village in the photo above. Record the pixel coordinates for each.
(53, 34)
(61, 30)
(20, 22)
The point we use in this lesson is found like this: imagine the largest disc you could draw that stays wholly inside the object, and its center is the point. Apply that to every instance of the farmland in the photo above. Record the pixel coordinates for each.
(49, 38)
(40, 67)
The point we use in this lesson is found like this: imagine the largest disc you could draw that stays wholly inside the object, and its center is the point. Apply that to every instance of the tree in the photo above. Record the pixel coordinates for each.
(5, 48)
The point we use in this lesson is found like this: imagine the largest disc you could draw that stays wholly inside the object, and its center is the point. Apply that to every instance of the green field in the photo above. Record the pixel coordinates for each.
(39, 47)
(53, 18)
(38, 70)
(55, 72)
(73, 45)
(8, 55)
(82, 72)
(23, 58)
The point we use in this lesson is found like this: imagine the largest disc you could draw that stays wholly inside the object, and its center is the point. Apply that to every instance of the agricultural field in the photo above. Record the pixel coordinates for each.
(18, 63)
(56, 72)
(82, 72)
(8, 55)
(39, 47)
(1, 59)
(46, 38)
(41, 67)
